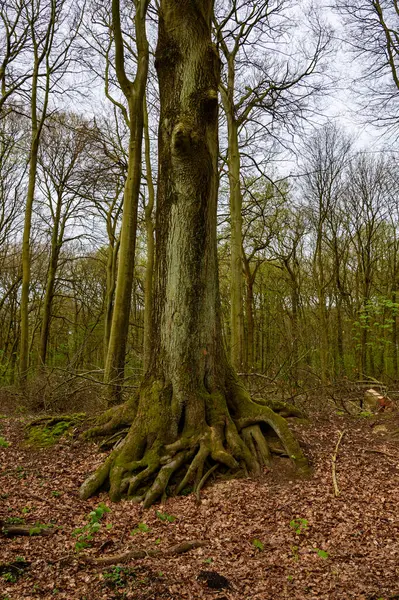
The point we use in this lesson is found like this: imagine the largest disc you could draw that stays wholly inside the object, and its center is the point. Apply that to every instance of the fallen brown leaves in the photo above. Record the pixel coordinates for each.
(311, 543)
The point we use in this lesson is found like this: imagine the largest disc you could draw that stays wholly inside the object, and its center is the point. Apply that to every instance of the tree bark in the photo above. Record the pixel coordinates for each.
(192, 410)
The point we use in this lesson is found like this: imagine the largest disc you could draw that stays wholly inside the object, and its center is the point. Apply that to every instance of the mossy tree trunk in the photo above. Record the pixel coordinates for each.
(192, 412)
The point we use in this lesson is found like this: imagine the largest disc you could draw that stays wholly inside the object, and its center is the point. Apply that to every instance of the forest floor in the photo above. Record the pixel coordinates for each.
(274, 538)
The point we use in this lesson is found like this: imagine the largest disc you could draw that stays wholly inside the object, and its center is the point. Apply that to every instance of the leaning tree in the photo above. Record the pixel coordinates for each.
(192, 413)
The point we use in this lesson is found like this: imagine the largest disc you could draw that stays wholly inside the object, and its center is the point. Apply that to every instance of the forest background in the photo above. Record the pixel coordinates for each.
(308, 204)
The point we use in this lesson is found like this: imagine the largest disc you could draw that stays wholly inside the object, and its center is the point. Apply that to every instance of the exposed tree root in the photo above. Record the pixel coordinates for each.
(137, 554)
(202, 482)
(284, 409)
(113, 420)
(172, 443)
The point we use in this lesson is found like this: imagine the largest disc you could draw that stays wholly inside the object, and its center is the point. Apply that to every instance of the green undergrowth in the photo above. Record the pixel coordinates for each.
(118, 577)
(3, 441)
(12, 571)
(85, 534)
(47, 431)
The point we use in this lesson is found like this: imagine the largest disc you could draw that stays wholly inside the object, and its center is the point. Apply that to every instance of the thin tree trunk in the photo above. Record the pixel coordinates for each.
(395, 362)
(134, 92)
(340, 338)
(149, 228)
(26, 258)
(111, 268)
(236, 276)
(51, 277)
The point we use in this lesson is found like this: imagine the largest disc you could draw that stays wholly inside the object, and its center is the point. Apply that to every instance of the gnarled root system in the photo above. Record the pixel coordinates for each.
(183, 441)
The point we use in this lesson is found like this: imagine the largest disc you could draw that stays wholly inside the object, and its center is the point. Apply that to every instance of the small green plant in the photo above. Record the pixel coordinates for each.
(366, 414)
(299, 525)
(141, 528)
(117, 577)
(165, 517)
(56, 494)
(290, 578)
(208, 561)
(321, 553)
(4, 443)
(85, 534)
(26, 510)
(295, 553)
(14, 521)
(38, 528)
(258, 545)
(20, 472)
(9, 577)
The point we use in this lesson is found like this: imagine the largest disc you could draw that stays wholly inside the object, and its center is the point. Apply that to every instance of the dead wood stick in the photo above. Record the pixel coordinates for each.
(15, 530)
(381, 452)
(334, 463)
(136, 554)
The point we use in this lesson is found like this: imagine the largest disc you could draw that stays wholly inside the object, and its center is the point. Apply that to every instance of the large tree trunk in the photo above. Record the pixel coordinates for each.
(192, 410)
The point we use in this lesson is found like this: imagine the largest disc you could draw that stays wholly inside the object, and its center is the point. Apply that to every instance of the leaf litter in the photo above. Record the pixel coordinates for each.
(271, 538)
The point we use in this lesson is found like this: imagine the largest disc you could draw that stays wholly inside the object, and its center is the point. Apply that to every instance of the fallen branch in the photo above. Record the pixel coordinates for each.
(137, 554)
(334, 463)
(271, 379)
(396, 457)
(22, 530)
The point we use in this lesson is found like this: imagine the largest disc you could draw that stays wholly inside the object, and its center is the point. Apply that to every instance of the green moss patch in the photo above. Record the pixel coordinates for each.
(47, 431)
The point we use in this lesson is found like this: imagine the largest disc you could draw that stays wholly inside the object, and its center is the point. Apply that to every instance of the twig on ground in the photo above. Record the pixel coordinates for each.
(334, 463)
(396, 457)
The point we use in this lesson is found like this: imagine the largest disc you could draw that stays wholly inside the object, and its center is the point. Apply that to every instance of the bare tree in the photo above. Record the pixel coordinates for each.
(15, 44)
(325, 159)
(261, 87)
(372, 34)
(52, 29)
(61, 161)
